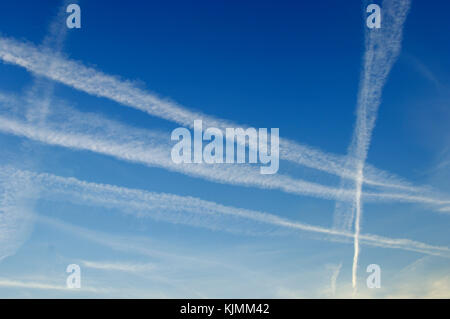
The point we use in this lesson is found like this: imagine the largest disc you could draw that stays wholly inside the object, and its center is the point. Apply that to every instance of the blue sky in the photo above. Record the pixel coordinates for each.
(290, 65)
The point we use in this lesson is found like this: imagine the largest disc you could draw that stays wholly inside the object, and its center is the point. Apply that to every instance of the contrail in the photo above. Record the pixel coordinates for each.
(334, 276)
(31, 285)
(39, 95)
(99, 135)
(152, 153)
(46, 286)
(118, 266)
(67, 127)
(16, 214)
(91, 81)
(190, 210)
(382, 49)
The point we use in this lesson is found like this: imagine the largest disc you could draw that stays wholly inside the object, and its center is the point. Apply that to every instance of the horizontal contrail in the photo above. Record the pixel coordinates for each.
(191, 210)
(150, 148)
(157, 155)
(91, 81)
(118, 266)
(46, 286)
(31, 285)
(333, 279)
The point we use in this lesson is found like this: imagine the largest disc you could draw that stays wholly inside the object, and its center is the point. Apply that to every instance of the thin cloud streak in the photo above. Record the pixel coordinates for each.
(333, 279)
(30, 285)
(15, 221)
(115, 266)
(191, 210)
(16, 213)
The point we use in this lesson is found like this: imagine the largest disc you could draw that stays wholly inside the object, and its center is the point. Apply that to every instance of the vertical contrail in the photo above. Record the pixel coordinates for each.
(358, 208)
(382, 48)
(333, 279)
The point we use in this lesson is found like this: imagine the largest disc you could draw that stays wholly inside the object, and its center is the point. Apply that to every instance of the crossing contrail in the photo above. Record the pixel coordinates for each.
(333, 279)
(91, 81)
(16, 214)
(190, 210)
(152, 153)
(96, 134)
(382, 49)
(39, 95)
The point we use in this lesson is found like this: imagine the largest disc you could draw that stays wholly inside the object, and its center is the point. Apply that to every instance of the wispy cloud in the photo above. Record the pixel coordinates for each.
(30, 285)
(423, 70)
(135, 245)
(336, 270)
(39, 96)
(158, 155)
(16, 213)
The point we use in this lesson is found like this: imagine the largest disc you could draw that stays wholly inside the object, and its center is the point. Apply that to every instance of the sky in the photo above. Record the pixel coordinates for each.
(86, 177)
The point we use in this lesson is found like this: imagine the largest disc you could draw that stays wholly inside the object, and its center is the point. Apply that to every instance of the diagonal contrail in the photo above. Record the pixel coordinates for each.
(382, 48)
(158, 155)
(16, 214)
(91, 81)
(99, 135)
(39, 95)
(189, 210)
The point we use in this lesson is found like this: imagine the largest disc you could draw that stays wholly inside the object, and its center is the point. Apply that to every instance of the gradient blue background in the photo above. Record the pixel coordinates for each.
(288, 64)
